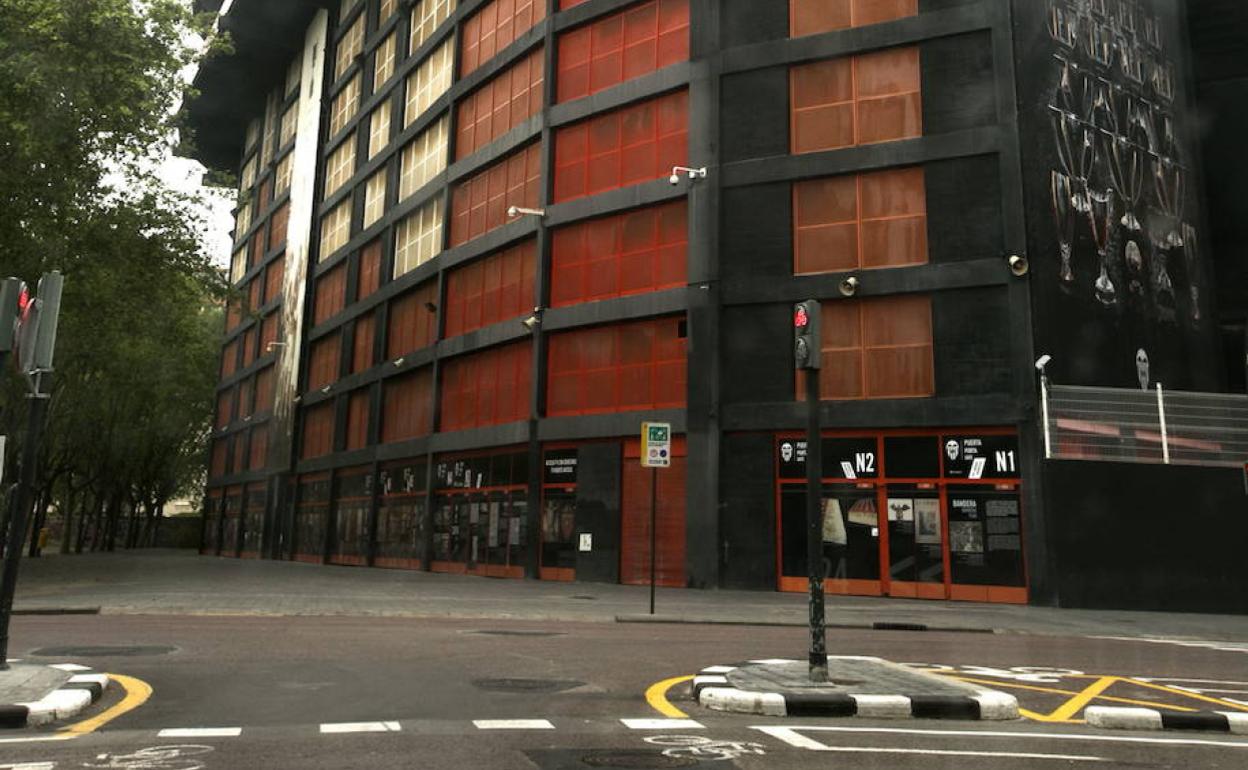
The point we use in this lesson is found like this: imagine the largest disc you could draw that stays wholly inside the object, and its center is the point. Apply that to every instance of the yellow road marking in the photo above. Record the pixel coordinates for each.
(1186, 694)
(1050, 690)
(137, 693)
(656, 696)
(1076, 704)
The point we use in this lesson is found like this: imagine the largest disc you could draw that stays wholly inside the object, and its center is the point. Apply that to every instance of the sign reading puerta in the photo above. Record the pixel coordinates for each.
(970, 457)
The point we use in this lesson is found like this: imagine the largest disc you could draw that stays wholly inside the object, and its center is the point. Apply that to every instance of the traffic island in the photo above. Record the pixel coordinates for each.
(32, 694)
(1116, 718)
(858, 686)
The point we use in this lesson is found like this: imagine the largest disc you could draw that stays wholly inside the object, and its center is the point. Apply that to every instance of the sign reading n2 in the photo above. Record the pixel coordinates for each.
(656, 445)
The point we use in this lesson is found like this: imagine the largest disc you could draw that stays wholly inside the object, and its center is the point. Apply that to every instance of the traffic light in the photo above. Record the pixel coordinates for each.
(34, 321)
(806, 337)
(13, 297)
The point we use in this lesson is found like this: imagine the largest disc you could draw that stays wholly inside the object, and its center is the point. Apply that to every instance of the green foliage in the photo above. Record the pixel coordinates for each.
(88, 89)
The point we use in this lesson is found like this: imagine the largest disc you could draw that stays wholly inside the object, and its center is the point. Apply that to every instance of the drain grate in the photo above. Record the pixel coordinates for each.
(526, 685)
(501, 632)
(104, 651)
(635, 759)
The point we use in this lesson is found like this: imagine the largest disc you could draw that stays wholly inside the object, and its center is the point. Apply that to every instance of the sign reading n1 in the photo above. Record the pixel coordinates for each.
(656, 445)
(981, 457)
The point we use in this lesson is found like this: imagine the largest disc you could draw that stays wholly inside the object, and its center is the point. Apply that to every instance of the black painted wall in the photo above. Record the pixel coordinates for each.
(748, 522)
(598, 510)
(1148, 537)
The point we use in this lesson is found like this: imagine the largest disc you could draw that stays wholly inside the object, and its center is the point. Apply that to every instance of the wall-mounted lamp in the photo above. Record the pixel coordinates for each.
(694, 173)
(327, 388)
(1042, 362)
(534, 321)
(1018, 265)
(432, 308)
(399, 362)
(518, 211)
(269, 347)
(849, 286)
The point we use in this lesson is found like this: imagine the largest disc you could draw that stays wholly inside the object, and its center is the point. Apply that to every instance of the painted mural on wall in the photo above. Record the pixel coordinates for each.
(1120, 196)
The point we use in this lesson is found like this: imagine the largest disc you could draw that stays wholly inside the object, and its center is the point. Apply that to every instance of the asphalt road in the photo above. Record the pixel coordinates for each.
(430, 693)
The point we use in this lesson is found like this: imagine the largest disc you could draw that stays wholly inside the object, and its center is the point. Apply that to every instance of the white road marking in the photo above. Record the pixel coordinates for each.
(791, 736)
(39, 739)
(200, 732)
(1181, 679)
(1030, 736)
(1197, 643)
(68, 667)
(360, 727)
(29, 766)
(663, 724)
(513, 724)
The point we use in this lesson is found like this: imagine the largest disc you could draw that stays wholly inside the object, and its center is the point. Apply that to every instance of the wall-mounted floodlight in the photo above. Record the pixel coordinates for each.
(269, 347)
(327, 388)
(1042, 362)
(849, 286)
(1018, 265)
(534, 321)
(399, 362)
(518, 211)
(432, 308)
(693, 173)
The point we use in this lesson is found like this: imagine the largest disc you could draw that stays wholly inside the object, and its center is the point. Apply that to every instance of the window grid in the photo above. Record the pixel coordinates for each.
(349, 46)
(418, 238)
(370, 270)
(487, 388)
(383, 66)
(494, 27)
(290, 125)
(875, 348)
(638, 251)
(501, 104)
(386, 10)
(423, 158)
(407, 410)
(374, 197)
(854, 221)
(340, 167)
(427, 16)
(411, 325)
(639, 365)
(282, 176)
(336, 229)
(242, 220)
(344, 106)
(855, 100)
(812, 17)
(625, 45)
(479, 204)
(491, 290)
(379, 129)
(627, 146)
(430, 80)
(238, 265)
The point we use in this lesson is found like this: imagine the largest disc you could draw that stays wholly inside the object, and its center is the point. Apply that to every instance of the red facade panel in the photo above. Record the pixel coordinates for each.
(268, 332)
(229, 359)
(273, 276)
(318, 431)
(493, 28)
(811, 17)
(480, 204)
(331, 294)
(225, 407)
(323, 361)
(217, 466)
(669, 558)
(365, 335)
(501, 104)
(259, 448)
(277, 226)
(637, 251)
(634, 144)
(407, 406)
(623, 367)
(625, 45)
(357, 420)
(370, 270)
(264, 390)
(487, 388)
(412, 324)
(491, 290)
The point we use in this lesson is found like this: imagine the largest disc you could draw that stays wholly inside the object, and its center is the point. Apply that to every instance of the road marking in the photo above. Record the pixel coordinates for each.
(137, 693)
(68, 667)
(791, 736)
(513, 724)
(1030, 736)
(29, 766)
(1076, 704)
(1181, 679)
(656, 696)
(1054, 691)
(360, 727)
(200, 732)
(39, 739)
(662, 724)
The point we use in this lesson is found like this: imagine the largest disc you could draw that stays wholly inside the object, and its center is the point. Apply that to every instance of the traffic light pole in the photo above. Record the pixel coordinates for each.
(814, 530)
(20, 514)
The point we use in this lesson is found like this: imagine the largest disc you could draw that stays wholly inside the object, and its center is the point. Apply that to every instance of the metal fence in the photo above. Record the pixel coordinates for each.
(1138, 426)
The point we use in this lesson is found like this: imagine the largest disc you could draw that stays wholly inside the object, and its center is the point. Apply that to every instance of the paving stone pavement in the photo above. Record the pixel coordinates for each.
(865, 676)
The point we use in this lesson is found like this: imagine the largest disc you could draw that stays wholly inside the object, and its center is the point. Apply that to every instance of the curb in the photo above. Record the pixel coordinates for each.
(879, 625)
(82, 689)
(1117, 718)
(712, 690)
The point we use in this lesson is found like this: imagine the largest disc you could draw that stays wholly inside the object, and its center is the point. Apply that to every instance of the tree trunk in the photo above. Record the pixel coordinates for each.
(71, 500)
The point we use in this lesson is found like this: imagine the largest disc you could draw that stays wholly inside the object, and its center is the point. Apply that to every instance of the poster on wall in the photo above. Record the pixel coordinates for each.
(927, 521)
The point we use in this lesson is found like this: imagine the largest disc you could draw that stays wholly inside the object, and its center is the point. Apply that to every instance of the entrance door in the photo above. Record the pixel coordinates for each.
(916, 562)
(851, 539)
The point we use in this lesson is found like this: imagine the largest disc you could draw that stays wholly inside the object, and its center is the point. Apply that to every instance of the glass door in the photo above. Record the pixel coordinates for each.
(850, 539)
(916, 560)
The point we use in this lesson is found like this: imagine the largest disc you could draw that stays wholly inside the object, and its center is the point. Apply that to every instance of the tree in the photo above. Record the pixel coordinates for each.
(88, 90)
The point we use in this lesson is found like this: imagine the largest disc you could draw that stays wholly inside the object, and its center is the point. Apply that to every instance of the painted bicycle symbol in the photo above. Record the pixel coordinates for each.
(154, 758)
(701, 747)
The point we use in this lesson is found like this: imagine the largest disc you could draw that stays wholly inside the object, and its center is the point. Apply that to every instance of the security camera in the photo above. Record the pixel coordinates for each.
(513, 211)
(849, 286)
(1018, 265)
(1043, 361)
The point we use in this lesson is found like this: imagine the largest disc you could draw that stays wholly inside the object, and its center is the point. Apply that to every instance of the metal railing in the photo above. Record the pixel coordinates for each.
(1138, 426)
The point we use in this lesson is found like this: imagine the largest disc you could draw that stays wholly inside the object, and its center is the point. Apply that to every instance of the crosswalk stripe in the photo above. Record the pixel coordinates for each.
(513, 724)
(361, 727)
(662, 724)
(201, 732)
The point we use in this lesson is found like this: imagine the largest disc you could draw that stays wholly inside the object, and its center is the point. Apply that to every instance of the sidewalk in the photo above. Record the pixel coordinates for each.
(164, 582)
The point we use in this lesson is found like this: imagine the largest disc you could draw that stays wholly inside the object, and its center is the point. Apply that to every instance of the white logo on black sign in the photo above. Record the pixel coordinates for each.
(786, 452)
(952, 449)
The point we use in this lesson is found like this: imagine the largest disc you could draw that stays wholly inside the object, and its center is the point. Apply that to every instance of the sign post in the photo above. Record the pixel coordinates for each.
(807, 358)
(656, 452)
